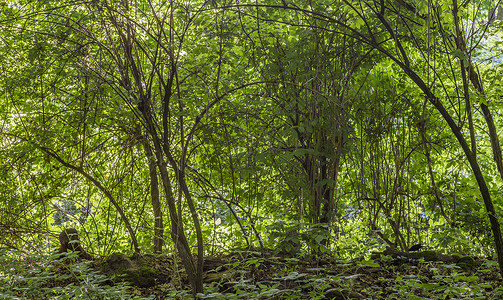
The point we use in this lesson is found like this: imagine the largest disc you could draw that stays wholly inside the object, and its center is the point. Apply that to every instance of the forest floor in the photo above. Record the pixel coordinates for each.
(251, 275)
(263, 275)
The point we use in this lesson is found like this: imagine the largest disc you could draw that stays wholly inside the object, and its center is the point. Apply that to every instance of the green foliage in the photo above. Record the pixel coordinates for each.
(68, 211)
(51, 277)
(446, 286)
(294, 238)
(310, 128)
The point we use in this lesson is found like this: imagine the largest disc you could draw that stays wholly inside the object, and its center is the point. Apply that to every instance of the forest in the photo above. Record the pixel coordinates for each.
(251, 149)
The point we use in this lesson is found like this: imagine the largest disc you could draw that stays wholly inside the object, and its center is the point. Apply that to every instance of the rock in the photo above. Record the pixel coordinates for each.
(134, 271)
(69, 240)
(118, 262)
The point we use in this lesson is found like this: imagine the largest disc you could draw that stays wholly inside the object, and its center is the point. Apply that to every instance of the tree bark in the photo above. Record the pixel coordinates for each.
(154, 195)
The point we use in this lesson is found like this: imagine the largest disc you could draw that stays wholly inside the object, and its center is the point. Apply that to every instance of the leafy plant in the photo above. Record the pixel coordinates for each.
(55, 277)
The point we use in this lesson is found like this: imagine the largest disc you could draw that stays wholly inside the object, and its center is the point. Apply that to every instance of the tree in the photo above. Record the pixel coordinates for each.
(244, 115)
(394, 31)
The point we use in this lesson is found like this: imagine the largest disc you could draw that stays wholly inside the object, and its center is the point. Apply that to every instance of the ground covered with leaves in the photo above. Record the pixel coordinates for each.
(262, 275)
(250, 275)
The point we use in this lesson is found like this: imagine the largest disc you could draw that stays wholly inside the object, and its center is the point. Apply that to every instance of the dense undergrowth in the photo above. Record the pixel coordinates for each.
(326, 127)
(250, 275)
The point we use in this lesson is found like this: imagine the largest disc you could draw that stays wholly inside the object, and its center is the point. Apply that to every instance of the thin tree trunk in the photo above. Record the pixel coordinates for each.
(404, 64)
(154, 195)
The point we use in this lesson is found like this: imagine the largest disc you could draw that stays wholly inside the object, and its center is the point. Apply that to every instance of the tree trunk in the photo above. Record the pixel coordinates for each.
(154, 195)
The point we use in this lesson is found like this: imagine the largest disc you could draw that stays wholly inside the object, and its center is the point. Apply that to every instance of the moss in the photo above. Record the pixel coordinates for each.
(134, 270)
(117, 262)
(467, 263)
(142, 277)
